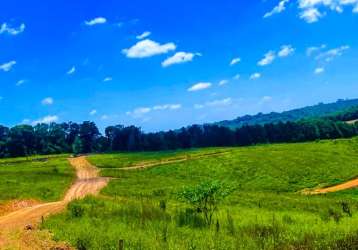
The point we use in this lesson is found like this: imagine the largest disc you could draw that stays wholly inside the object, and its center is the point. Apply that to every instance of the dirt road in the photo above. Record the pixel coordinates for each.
(336, 188)
(88, 182)
(144, 165)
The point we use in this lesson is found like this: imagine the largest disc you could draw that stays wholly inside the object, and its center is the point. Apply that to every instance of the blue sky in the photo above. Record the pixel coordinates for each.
(166, 64)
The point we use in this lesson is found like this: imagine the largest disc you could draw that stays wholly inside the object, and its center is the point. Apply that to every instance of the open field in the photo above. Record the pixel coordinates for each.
(267, 210)
(43, 178)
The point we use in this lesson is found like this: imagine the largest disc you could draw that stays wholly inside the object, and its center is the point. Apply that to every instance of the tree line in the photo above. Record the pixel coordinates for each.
(54, 138)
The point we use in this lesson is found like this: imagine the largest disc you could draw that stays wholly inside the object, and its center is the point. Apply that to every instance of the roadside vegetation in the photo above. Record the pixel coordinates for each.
(251, 195)
(43, 178)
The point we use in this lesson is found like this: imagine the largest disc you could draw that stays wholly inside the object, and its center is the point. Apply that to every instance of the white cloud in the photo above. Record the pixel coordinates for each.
(215, 103)
(20, 82)
(311, 15)
(220, 103)
(265, 99)
(167, 106)
(237, 77)
(235, 61)
(7, 66)
(107, 79)
(144, 35)
(93, 112)
(286, 50)
(104, 117)
(223, 82)
(312, 9)
(95, 21)
(47, 119)
(255, 76)
(5, 28)
(312, 50)
(319, 70)
(179, 57)
(139, 112)
(47, 101)
(71, 70)
(199, 106)
(25, 121)
(331, 54)
(278, 9)
(200, 86)
(148, 48)
(268, 59)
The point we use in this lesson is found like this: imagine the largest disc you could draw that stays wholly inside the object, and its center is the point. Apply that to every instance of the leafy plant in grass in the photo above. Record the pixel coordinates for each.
(205, 197)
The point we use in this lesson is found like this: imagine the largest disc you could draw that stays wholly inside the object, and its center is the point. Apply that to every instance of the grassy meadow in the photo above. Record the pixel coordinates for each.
(265, 211)
(44, 178)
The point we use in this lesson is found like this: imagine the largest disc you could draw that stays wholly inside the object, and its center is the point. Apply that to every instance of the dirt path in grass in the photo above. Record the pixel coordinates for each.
(144, 165)
(87, 182)
(344, 186)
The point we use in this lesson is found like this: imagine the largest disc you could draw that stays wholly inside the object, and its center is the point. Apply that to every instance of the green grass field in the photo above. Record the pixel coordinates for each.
(43, 178)
(266, 210)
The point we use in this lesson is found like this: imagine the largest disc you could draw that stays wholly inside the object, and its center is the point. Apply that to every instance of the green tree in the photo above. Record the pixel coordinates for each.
(77, 146)
(206, 197)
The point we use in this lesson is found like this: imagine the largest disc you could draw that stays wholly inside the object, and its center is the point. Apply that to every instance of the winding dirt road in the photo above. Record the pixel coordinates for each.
(340, 187)
(88, 182)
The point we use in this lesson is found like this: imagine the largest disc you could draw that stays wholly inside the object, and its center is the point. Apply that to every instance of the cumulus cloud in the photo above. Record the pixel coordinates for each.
(265, 100)
(71, 71)
(312, 50)
(237, 77)
(139, 112)
(95, 21)
(255, 76)
(47, 119)
(286, 50)
(331, 54)
(47, 101)
(235, 61)
(148, 48)
(93, 112)
(319, 70)
(5, 28)
(216, 103)
(311, 15)
(277, 9)
(179, 57)
(311, 10)
(7, 66)
(268, 59)
(200, 86)
(20, 82)
(167, 106)
(223, 82)
(107, 79)
(144, 35)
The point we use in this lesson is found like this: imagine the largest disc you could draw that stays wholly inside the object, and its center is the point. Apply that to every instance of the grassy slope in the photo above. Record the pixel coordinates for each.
(266, 211)
(43, 178)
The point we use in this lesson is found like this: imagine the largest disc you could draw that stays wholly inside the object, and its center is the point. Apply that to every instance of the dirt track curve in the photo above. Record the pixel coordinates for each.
(344, 186)
(88, 182)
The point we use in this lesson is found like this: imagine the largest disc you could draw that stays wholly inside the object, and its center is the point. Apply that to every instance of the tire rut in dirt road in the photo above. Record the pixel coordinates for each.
(88, 182)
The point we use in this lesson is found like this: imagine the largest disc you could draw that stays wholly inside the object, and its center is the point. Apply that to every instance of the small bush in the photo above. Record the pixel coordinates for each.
(189, 217)
(76, 210)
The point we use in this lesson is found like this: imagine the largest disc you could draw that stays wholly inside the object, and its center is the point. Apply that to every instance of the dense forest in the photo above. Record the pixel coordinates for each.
(319, 110)
(23, 140)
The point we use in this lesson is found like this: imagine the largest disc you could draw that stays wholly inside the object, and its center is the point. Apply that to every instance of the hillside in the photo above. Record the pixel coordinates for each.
(266, 209)
(318, 110)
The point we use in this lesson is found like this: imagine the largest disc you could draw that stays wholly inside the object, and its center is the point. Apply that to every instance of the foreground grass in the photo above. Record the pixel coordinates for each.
(266, 211)
(44, 178)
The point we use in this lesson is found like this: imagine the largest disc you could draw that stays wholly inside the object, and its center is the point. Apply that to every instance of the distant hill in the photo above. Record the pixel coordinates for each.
(318, 110)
